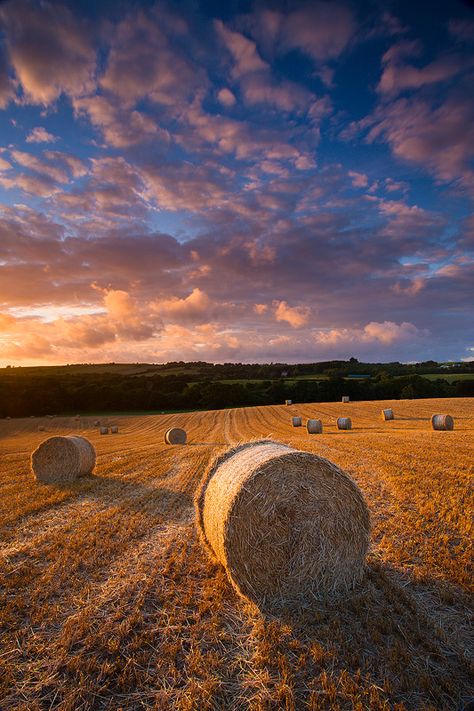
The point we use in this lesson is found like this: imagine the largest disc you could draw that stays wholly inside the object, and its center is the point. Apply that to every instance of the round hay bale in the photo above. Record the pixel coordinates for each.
(289, 527)
(114, 429)
(288, 402)
(387, 414)
(63, 459)
(345, 398)
(97, 423)
(314, 426)
(344, 423)
(104, 430)
(296, 421)
(175, 435)
(442, 422)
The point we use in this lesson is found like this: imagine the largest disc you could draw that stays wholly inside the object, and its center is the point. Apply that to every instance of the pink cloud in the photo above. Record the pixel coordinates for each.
(439, 138)
(41, 135)
(296, 316)
(386, 333)
(398, 76)
(197, 306)
(143, 62)
(226, 97)
(243, 51)
(320, 30)
(120, 128)
(359, 180)
(7, 84)
(51, 50)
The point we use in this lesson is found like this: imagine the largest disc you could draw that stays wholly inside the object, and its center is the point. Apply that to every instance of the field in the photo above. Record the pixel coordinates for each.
(108, 601)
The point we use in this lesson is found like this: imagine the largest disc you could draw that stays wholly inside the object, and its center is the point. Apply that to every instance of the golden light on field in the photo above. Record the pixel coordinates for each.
(106, 591)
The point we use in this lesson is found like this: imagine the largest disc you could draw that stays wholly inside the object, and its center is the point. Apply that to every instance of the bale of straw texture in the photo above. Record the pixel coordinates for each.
(175, 435)
(114, 429)
(63, 459)
(345, 398)
(289, 527)
(288, 402)
(104, 430)
(296, 421)
(344, 423)
(388, 414)
(442, 422)
(314, 426)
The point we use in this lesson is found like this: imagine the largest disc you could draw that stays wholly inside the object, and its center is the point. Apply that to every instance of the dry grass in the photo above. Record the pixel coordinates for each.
(108, 602)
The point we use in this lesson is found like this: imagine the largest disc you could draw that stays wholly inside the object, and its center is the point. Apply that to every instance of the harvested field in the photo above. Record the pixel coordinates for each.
(107, 600)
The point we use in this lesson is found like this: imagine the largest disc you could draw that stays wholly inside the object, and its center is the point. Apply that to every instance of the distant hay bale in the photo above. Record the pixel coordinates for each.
(289, 527)
(387, 414)
(344, 423)
(288, 402)
(296, 421)
(314, 426)
(345, 398)
(104, 430)
(442, 422)
(97, 423)
(63, 459)
(175, 435)
(114, 429)
(40, 428)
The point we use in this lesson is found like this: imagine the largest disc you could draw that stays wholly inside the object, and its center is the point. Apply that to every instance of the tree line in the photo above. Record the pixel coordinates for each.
(23, 395)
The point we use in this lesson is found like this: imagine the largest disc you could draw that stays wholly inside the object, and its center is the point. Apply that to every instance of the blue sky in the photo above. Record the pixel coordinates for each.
(248, 182)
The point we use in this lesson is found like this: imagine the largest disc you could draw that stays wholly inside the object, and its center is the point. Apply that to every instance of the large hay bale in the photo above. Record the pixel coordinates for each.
(387, 414)
(296, 421)
(289, 527)
(344, 423)
(63, 459)
(104, 430)
(442, 422)
(114, 429)
(314, 426)
(175, 435)
(288, 402)
(345, 398)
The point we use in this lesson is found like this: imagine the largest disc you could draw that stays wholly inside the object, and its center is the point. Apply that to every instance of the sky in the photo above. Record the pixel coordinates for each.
(239, 181)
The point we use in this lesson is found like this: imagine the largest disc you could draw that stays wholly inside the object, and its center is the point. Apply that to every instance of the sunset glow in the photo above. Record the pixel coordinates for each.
(277, 182)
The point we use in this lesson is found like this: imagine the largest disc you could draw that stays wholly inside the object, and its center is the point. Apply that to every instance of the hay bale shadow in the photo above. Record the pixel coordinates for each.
(415, 634)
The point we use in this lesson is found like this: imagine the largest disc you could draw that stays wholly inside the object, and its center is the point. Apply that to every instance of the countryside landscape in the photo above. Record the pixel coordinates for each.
(236, 355)
(109, 601)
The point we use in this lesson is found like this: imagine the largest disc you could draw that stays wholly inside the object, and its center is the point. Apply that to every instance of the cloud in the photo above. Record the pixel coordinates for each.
(121, 128)
(438, 137)
(197, 306)
(254, 75)
(244, 51)
(359, 180)
(51, 50)
(386, 333)
(397, 76)
(41, 135)
(296, 316)
(226, 97)
(321, 30)
(143, 62)
(7, 85)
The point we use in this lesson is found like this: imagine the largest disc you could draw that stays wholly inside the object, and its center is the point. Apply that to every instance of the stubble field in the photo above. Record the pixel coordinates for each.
(107, 600)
